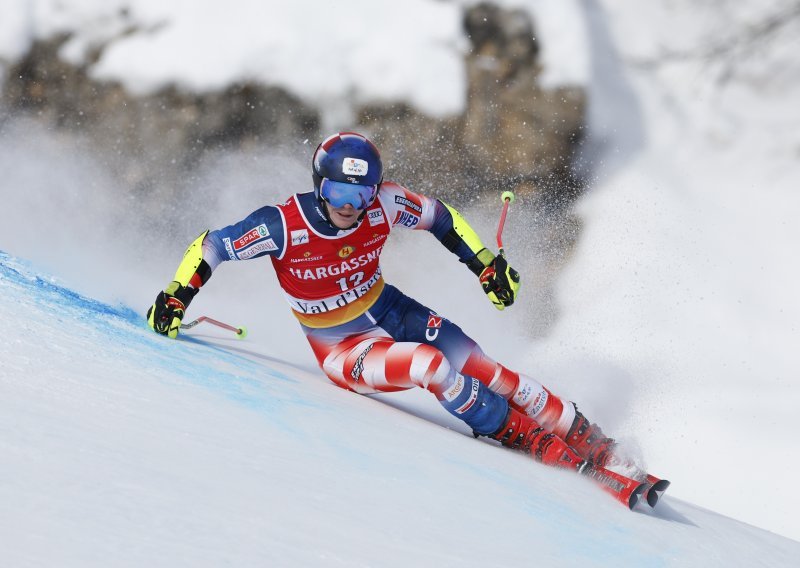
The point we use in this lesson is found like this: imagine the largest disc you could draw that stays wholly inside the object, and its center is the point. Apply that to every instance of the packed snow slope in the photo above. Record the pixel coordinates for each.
(123, 448)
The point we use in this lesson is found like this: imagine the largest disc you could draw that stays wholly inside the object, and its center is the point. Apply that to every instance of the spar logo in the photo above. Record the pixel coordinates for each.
(251, 236)
(346, 251)
(433, 327)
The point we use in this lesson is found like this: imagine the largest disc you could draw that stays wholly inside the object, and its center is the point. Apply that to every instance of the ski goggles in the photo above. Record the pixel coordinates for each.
(339, 193)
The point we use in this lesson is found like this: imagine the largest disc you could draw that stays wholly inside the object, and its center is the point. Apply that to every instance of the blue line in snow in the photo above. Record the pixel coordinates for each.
(200, 362)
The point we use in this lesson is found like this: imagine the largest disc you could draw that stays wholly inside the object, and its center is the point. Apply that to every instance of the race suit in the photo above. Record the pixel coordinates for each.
(368, 336)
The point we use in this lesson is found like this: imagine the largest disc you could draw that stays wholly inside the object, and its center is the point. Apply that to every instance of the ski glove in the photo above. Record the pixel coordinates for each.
(500, 282)
(165, 315)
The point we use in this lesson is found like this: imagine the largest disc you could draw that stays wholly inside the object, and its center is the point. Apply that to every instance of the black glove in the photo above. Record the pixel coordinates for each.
(500, 282)
(165, 315)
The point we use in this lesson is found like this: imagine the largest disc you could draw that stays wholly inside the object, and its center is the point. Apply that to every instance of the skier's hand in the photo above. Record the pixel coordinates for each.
(165, 315)
(500, 282)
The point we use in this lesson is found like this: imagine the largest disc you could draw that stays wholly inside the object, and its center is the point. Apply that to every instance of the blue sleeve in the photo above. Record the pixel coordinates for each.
(260, 233)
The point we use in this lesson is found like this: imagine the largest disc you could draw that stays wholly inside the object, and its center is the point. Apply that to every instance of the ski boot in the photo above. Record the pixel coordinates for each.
(523, 433)
(589, 441)
(592, 445)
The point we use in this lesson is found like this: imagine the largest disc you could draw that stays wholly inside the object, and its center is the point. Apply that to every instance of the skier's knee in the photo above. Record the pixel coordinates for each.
(429, 368)
(345, 367)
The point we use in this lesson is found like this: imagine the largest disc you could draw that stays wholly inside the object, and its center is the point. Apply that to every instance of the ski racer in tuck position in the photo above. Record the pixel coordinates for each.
(369, 337)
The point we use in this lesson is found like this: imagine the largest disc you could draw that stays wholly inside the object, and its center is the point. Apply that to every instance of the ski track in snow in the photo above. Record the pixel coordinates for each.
(120, 447)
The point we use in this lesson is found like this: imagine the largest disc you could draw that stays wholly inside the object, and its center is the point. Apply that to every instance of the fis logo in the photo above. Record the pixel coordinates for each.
(300, 237)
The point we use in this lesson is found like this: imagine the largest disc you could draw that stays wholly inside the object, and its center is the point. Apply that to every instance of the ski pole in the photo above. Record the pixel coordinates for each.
(507, 197)
(241, 332)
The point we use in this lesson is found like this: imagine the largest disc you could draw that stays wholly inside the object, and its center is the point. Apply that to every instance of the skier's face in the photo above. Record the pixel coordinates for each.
(343, 217)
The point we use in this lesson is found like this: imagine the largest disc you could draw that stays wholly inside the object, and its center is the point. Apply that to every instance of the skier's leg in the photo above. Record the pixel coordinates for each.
(532, 399)
(416, 322)
(524, 393)
(363, 356)
(381, 365)
(420, 324)
(374, 364)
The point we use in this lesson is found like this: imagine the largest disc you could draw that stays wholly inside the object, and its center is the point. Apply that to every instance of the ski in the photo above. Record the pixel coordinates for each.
(655, 486)
(624, 489)
(655, 489)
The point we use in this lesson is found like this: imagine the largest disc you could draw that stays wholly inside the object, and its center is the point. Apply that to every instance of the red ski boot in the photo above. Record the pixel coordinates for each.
(523, 433)
(601, 452)
(589, 441)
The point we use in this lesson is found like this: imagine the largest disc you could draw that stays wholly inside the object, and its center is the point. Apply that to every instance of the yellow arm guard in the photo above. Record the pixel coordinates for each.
(169, 308)
(193, 269)
(463, 233)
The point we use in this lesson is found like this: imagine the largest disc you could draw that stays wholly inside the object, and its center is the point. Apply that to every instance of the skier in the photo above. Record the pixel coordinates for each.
(369, 337)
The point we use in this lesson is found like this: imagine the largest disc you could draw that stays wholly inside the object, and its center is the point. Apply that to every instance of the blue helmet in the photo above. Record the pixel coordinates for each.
(347, 169)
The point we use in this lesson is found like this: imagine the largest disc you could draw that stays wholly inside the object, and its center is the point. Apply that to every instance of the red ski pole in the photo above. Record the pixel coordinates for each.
(241, 332)
(507, 198)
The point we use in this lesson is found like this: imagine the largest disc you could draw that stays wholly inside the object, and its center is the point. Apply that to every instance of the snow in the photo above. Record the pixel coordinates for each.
(121, 447)
(677, 331)
(687, 263)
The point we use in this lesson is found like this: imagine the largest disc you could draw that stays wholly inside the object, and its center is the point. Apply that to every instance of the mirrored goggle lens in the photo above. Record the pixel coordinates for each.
(339, 194)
